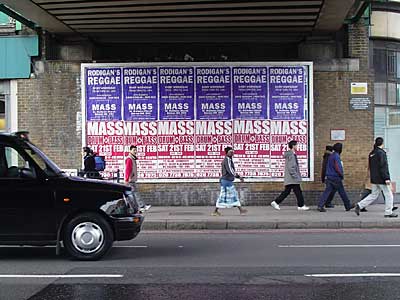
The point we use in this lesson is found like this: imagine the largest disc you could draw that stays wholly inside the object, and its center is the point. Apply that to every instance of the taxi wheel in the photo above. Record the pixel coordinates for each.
(88, 236)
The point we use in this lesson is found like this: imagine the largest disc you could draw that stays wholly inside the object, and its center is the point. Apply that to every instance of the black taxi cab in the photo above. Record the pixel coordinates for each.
(41, 205)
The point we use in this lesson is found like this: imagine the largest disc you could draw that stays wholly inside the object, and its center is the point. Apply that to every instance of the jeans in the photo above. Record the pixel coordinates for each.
(333, 185)
(330, 199)
(376, 189)
(297, 191)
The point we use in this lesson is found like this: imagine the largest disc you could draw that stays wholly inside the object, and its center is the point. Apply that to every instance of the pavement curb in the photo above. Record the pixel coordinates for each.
(246, 225)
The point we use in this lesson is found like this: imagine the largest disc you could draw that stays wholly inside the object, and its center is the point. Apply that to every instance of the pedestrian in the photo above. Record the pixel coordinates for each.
(328, 152)
(367, 191)
(292, 179)
(131, 176)
(228, 196)
(89, 163)
(334, 179)
(380, 180)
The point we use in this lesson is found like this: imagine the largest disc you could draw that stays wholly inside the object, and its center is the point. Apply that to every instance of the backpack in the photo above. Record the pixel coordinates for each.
(100, 163)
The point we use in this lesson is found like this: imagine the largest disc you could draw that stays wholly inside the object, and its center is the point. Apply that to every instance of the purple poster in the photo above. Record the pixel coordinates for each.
(249, 92)
(103, 94)
(176, 93)
(140, 94)
(286, 93)
(213, 93)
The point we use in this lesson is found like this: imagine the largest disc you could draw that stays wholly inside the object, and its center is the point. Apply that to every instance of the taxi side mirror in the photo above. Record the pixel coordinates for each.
(26, 173)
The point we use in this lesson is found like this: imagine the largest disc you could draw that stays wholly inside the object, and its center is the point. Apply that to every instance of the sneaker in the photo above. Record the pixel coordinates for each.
(275, 205)
(364, 210)
(351, 207)
(216, 214)
(147, 207)
(303, 207)
(357, 210)
(392, 215)
(321, 209)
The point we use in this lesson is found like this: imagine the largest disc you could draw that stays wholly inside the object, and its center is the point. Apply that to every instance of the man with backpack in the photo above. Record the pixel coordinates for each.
(89, 164)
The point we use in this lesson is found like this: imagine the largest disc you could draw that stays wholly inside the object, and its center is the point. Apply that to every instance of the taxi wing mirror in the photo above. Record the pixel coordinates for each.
(26, 173)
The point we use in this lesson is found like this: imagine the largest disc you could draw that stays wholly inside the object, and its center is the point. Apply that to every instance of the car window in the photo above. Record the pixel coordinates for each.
(14, 163)
(33, 153)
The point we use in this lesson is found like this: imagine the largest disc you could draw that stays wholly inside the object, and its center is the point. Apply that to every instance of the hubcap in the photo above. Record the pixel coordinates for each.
(87, 237)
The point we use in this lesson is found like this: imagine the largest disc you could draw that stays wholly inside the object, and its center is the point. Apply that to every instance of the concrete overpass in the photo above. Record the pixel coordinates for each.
(127, 21)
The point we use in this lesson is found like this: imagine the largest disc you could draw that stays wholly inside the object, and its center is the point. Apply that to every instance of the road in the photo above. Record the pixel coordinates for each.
(285, 264)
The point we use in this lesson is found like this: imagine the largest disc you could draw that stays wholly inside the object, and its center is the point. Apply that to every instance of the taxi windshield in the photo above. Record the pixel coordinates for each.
(45, 163)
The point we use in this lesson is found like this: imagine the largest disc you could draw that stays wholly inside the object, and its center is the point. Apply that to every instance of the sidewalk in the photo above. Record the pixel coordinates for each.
(264, 217)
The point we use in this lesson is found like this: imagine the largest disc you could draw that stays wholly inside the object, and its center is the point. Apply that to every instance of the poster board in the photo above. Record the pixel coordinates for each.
(181, 116)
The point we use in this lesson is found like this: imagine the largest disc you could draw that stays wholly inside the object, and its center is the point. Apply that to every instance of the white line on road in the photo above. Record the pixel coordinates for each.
(129, 246)
(51, 246)
(354, 275)
(338, 246)
(61, 276)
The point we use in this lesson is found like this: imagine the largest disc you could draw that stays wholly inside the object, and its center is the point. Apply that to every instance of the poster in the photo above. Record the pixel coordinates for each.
(249, 93)
(140, 94)
(211, 138)
(107, 139)
(287, 93)
(143, 134)
(103, 94)
(176, 93)
(176, 149)
(251, 140)
(182, 116)
(213, 93)
(281, 133)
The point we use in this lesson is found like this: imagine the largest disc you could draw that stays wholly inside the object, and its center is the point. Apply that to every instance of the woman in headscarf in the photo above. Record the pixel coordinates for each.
(228, 196)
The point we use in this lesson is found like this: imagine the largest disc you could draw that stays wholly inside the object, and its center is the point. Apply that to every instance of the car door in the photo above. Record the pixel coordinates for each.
(26, 199)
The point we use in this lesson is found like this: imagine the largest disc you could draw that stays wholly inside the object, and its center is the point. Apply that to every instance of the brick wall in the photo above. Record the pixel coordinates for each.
(48, 106)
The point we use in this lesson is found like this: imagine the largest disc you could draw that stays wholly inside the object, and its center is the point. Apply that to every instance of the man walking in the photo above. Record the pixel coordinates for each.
(328, 152)
(380, 179)
(131, 176)
(292, 179)
(334, 179)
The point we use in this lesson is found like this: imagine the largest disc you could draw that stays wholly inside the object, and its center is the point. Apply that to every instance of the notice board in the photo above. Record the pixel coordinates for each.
(181, 116)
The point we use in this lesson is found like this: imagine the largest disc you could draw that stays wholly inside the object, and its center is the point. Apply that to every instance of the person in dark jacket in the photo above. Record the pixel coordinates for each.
(328, 152)
(292, 179)
(228, 196)
(89, 163)
(334, 179)
(380, 179)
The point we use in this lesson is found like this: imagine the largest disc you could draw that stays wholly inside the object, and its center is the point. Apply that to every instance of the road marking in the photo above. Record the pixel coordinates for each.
(128, 246)
(51, 246)
(354, 275)
(338, 246)
(61, 276)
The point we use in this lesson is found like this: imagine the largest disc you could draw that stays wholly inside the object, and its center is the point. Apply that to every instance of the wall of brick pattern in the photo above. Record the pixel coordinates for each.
(48, 107)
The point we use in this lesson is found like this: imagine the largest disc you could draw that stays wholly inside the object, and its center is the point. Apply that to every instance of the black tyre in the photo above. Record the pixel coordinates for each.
(88, 236)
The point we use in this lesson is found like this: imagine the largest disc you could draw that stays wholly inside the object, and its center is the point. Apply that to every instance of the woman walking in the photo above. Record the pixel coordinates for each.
(292, 179)
(228, 196)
